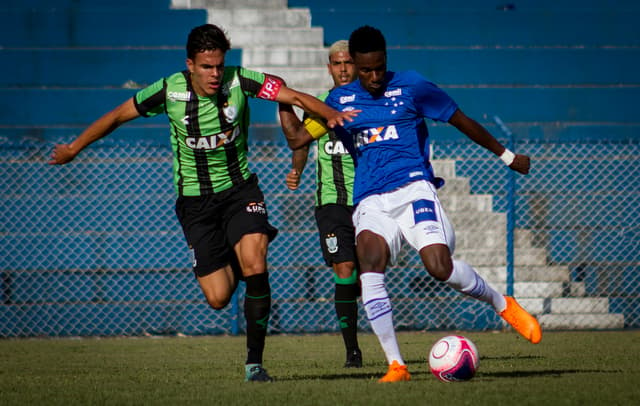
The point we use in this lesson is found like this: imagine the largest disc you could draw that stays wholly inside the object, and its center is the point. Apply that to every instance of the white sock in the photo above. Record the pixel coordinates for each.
(465, 279)
(378, 307)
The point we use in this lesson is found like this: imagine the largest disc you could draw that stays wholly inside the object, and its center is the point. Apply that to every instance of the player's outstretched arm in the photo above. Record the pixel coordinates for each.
(477, 133)
(65, 153)
(314, 106)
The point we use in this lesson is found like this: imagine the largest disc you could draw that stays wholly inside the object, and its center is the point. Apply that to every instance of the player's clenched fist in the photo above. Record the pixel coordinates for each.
(62, 154)
(293, 179)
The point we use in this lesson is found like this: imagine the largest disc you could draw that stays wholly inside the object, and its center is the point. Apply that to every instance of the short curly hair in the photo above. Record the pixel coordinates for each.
(367, 39)
(207, 37)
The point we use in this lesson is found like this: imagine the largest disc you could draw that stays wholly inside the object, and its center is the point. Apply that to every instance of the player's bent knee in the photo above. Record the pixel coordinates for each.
(217, 304)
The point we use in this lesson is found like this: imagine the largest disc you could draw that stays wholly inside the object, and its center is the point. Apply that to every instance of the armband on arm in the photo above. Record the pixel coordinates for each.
(315, 127)
(270, 87)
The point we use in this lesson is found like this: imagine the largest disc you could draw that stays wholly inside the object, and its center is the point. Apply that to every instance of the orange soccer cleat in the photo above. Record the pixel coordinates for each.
(396, 373)
(521, 321)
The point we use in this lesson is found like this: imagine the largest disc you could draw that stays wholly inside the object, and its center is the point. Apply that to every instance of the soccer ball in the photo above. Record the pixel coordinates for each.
(453, 359)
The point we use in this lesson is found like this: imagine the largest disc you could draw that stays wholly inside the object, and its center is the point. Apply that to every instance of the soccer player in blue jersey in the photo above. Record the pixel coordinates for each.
(395, 187)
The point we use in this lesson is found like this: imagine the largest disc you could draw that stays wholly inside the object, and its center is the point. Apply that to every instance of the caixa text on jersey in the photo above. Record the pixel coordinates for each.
(212, 141)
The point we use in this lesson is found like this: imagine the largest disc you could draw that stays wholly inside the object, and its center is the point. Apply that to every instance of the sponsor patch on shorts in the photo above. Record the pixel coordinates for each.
(257, 208)
(424, 210)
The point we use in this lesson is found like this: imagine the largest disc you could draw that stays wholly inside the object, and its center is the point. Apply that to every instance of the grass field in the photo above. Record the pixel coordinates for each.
(566, 368)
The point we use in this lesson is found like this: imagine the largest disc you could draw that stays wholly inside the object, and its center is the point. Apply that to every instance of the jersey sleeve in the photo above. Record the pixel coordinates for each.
(150, 101)
(260, 85)
(431, 101)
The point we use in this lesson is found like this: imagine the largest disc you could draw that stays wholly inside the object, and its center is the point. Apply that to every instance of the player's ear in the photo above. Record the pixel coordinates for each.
(190, 64)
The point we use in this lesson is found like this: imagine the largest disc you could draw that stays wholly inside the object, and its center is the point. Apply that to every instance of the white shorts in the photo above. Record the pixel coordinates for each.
(413, 212)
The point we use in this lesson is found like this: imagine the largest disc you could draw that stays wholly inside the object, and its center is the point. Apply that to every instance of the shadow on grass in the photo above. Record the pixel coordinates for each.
(510, 357)
(542, 373)
(480, 374)
(346, 375)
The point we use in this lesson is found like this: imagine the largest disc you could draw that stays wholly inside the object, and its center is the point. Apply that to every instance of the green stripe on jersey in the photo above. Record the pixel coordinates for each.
(208, 134)
(334, 170)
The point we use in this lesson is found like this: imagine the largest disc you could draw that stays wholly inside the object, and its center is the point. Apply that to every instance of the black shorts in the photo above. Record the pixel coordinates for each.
(213, 224)
(337, 234)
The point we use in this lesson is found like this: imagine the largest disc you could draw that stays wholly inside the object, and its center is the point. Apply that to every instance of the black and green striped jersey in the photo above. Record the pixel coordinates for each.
(334, 170)
(208, 134)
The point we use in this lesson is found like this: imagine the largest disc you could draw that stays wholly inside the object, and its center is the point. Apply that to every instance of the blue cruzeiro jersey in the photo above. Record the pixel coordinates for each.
(388, 138)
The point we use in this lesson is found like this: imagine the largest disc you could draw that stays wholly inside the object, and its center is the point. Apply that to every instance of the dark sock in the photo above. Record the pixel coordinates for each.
(257, 306)
(347, 311)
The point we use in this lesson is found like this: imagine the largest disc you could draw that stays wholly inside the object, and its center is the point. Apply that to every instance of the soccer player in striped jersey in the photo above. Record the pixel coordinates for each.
(395, 188)
(334, 202)
(219, 205)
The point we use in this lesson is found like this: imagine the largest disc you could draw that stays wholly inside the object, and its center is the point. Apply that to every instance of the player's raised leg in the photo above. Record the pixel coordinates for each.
(465, 279)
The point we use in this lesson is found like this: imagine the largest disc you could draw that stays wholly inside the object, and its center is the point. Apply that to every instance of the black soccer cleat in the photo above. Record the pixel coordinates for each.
(354, 359)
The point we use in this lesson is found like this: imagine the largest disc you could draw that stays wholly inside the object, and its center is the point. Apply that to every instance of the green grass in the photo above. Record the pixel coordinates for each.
(566, 368)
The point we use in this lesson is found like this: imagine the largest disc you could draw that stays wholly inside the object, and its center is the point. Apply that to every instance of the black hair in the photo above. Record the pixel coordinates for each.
(367, 39)
(207, 37)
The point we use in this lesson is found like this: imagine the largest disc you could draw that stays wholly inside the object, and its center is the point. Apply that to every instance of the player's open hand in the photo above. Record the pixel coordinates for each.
(62, 154)
(293, 179)
(341, 117)
(521, 163)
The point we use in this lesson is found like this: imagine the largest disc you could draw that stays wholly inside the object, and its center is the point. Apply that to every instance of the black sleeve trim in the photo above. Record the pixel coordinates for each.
(249, 85)
(155, 100)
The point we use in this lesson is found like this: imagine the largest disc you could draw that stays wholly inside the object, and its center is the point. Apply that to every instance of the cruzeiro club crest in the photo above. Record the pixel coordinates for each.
(332, 243)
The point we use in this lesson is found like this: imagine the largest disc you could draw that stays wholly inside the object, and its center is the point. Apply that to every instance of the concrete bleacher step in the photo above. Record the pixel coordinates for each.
(232, 18)
(523, 238)
(475, 202)
(573, 313)
(542, 273)
(477, 220)
(566, 305)
(278, 55)
(226, 4)
(261, 36)
(548, 289)
(581, 321)
(483, 256)
(445, 168)
(457, 185)
(486, 237)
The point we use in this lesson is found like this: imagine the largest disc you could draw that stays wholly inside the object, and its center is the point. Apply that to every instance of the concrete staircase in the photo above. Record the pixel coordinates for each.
(274, 39)
(544, 290)
(280, 40)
